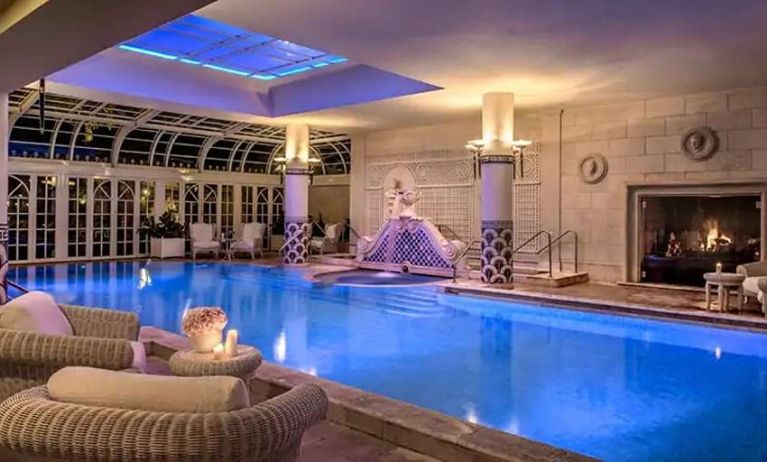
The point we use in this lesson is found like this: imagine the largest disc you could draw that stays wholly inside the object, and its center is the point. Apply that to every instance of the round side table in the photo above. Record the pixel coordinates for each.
(724, 283)
(193, 364)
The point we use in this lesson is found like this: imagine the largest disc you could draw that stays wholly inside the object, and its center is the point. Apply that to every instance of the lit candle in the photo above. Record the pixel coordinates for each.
(218, 351)
(231, 343)
(718, 267)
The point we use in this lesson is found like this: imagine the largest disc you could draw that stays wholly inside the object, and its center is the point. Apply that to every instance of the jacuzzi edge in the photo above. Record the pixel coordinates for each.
(427, 432)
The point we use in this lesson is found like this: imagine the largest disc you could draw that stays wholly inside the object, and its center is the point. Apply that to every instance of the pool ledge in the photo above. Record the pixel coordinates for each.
(609, 306)
(421, 430)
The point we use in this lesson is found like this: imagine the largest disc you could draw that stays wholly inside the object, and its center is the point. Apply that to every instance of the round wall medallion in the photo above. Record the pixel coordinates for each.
(593, 168)
(699, 143)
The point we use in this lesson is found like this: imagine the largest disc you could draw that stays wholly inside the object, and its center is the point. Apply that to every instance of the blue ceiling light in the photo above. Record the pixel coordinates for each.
(199, 41)
(144, 51)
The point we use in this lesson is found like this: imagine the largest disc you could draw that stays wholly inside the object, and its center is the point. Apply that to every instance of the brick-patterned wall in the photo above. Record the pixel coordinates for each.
(641, 141)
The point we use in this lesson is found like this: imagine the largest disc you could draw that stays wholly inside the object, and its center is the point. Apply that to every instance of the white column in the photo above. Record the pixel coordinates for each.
(4, 132)
(497, 168)
(62, 214)
(297, 227)
(159, 198)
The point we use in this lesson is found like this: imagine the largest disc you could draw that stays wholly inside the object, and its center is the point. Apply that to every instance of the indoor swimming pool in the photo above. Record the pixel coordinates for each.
(613, 387)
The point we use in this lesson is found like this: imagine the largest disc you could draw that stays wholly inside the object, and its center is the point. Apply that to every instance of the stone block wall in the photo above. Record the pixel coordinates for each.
(641, 141)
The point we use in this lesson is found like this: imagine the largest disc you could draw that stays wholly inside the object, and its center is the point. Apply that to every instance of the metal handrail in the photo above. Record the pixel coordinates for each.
(531, 239)
(548, 247)
(575, 249)
(17, 286)
(449, 230)
(460, 257)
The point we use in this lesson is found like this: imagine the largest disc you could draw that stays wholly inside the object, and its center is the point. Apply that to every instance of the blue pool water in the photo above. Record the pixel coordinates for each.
(613, 387)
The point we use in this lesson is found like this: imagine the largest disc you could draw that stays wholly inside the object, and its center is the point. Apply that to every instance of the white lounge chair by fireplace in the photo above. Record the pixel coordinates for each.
(203, 240)
(755, 284)
(252, 240)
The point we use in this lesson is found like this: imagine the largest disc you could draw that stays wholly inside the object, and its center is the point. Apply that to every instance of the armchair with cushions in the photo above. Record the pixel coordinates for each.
(137, 417)
(37, 339)
(755, 284)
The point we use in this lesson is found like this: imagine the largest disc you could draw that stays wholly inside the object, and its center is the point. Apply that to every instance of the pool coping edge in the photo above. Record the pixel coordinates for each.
(412, 427)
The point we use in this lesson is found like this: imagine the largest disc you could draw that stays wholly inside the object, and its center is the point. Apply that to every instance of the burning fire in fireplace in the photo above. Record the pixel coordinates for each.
(716, 240)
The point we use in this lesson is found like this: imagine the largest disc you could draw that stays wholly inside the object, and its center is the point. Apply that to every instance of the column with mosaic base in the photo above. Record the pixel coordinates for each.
(297, 176)
(4, 132)
(497, 170)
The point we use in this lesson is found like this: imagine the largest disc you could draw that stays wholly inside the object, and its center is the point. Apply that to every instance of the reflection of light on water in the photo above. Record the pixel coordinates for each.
(513, 426)
(471, 414)
(280, 347)
(718, 352)
(386, 275)
(144, 278)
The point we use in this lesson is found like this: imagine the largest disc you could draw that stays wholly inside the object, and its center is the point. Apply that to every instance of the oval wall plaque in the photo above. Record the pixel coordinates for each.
(593, 168)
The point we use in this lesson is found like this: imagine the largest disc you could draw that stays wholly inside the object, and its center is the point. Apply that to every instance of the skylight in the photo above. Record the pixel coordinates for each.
(198, 41)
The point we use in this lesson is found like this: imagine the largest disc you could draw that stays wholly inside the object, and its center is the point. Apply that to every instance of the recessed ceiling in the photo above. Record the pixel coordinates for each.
(198, 41)
(550, 54)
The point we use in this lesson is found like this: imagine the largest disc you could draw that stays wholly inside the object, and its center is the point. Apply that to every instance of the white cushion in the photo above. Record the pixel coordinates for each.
(750, 285)
(35, 312)
(126, 390)
(205, 245)
(242, 245)
(139, 356)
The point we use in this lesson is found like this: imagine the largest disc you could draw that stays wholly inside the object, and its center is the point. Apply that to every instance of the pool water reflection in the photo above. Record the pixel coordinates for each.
(613, 387)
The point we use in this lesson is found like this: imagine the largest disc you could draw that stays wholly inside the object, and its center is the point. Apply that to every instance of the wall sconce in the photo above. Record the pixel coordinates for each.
(477, 146)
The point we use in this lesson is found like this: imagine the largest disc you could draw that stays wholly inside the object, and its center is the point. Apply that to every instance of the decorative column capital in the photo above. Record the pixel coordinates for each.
(496, 159)
(298, 171)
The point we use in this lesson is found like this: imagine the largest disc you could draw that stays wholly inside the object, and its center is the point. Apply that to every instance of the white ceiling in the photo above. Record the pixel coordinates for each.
(551, 53)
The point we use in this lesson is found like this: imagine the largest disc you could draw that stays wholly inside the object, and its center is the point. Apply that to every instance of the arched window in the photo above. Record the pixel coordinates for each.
(18, 217)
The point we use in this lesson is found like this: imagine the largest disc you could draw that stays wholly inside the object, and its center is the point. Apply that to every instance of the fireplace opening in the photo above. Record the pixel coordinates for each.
(686, 236)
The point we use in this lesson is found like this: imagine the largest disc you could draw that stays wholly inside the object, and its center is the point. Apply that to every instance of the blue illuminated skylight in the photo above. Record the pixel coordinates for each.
(198, 41)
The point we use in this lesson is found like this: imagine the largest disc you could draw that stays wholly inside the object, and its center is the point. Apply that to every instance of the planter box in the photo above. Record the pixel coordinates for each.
(167, 248)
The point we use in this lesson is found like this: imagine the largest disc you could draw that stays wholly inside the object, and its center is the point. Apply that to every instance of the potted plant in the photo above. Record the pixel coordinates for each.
(204, 326)
(167, 235)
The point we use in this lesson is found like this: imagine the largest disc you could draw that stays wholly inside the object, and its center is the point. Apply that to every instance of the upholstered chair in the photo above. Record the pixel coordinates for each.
(252, 240)
(203, 239)
(327, 242)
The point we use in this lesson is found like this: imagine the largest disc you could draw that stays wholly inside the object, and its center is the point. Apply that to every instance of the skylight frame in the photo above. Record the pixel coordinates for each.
(225, 43)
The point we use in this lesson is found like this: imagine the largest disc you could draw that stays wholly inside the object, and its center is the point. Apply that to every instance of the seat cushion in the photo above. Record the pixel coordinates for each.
(242, 245)
(139, 356)
(35, 312)
(751, 287)
(205, 245)
(126, 390)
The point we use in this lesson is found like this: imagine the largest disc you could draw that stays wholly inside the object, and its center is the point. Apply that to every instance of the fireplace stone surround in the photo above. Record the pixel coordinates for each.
(685, 265)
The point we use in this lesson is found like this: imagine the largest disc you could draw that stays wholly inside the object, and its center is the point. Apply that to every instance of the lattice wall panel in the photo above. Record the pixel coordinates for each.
(374, 218)
(527, 203)
(450, 206)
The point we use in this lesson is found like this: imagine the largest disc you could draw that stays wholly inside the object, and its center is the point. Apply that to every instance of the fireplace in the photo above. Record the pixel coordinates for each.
(682, 236)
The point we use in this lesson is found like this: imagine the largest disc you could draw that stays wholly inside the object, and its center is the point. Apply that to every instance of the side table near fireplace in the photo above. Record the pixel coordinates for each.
(724, 284)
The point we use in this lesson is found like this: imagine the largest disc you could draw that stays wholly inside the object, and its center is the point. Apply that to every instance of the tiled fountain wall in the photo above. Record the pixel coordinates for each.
(639, 139)
(435, 158)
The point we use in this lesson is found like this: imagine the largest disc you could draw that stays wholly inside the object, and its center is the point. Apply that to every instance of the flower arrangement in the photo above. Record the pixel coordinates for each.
(204, 326)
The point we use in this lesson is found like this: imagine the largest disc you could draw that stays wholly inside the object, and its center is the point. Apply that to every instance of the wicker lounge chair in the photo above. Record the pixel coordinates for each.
(102, 339)
(32, 424)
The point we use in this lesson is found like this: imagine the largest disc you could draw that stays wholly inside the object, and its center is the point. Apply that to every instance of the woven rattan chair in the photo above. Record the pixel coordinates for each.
(102, 339)
(32, 424)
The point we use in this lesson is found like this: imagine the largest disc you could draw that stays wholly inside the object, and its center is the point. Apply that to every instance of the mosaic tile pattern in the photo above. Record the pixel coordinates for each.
(297, 236)
(497, 247)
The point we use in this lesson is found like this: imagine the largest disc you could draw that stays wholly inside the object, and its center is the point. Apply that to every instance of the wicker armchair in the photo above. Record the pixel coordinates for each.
(102, 339)
(34, 425)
